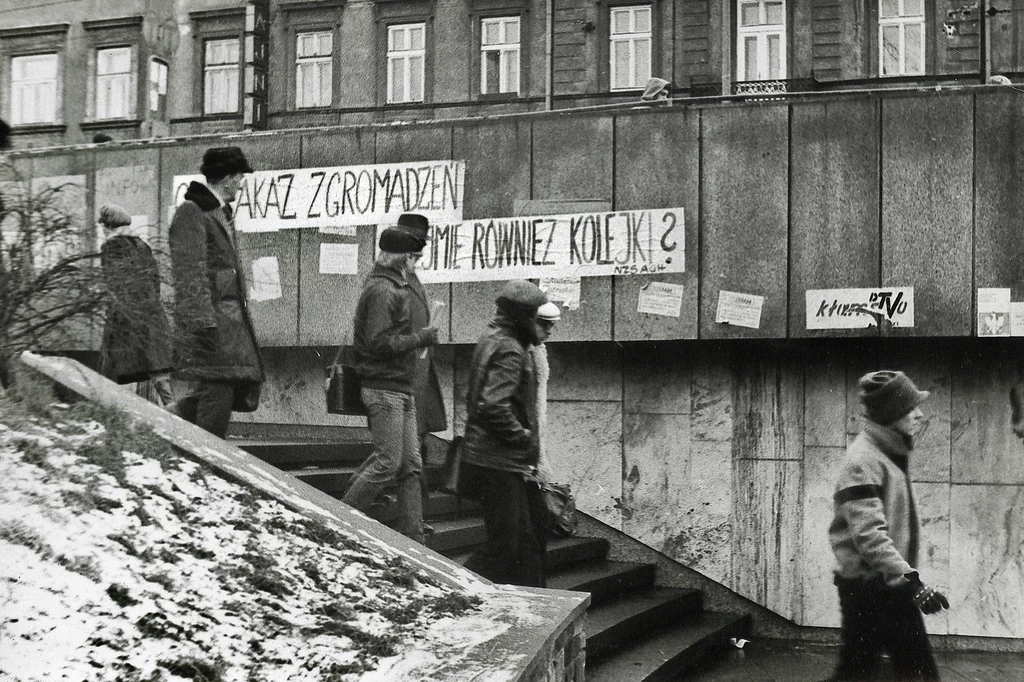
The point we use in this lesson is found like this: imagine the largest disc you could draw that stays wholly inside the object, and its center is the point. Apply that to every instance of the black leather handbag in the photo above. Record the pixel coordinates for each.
(344, 388)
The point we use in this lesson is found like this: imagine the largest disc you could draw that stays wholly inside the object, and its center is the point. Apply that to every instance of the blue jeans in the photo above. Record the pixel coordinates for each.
(396, 456)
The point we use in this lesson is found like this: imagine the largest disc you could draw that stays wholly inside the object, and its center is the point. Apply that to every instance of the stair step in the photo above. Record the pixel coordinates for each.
(604, 580)
(297, 454)
(331, 480)
(561, 552)
(665, 655)
(616, 624)
(440, 507)
(450, 534)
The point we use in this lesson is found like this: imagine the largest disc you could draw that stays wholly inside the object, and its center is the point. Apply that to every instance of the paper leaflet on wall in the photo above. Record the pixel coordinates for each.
(860, 308)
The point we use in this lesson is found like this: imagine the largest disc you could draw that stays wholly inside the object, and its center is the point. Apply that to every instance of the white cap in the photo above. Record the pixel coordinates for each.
(549, 311)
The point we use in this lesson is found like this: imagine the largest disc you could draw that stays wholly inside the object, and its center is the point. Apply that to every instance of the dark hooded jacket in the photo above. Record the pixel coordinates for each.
(385, 340)
(136, 337)
(214, 336)
(501, 401)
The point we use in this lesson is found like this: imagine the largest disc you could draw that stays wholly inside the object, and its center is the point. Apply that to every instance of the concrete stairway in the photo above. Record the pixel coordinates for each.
(637, 630)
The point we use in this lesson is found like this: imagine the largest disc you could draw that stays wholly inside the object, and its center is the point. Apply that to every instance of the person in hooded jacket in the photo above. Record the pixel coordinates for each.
(387, 337)
(215, 344)
(136, 345)
(501, 447)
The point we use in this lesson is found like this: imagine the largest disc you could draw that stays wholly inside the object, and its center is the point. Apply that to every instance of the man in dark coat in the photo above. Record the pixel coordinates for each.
(501, 448)
(386, 345)
(874, 536)
(136, 344)
(215, 345)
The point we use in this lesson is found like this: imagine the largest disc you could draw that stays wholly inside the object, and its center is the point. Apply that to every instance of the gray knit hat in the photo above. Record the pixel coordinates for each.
(523, 295)
(113, 216)
(887, 396)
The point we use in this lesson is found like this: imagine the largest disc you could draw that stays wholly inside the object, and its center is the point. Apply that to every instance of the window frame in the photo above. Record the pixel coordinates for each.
(762, 32)
(27, 42)
(502, 49)
(160, 112)
(406, 54)
(611, 10)
(215, 24)
(901, 21)
(56, 88)
(330, 60)
(127, 76)
(225, 67)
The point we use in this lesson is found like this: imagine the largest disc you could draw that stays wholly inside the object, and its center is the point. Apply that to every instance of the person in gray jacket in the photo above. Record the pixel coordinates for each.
(501, 447)
(874, 536)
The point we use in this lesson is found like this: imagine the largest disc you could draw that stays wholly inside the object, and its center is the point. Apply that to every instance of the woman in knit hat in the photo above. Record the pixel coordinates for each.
(385, 346)
(136, 345)
(501, 447)
(874, 536)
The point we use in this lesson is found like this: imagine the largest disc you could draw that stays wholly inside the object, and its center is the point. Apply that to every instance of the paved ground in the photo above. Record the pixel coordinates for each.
(773, 661)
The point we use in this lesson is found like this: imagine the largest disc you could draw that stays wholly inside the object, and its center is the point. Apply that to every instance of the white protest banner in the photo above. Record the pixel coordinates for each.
(572, 245)
(859, 308)
(344, 195)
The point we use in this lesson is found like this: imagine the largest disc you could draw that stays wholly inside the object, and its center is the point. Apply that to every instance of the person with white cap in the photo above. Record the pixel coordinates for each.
(874, 536)
(501, 447)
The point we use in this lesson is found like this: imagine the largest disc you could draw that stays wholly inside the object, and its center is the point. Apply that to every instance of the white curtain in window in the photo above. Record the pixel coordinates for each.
(34, 89)
(113, 82)
(220, 78)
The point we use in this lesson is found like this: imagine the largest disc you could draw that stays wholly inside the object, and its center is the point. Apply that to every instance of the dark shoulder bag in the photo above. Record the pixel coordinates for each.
(344, 388)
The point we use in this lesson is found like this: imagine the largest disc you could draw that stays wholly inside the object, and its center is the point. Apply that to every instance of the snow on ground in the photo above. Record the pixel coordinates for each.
(116, 565)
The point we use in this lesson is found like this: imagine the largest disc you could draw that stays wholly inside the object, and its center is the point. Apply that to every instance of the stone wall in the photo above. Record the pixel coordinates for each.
(723, 457)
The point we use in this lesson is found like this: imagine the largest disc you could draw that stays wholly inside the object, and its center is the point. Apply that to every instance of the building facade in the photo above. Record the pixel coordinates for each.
(148, 68)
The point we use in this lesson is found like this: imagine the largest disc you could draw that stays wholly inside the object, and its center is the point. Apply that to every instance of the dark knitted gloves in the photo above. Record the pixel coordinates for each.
(928, 599)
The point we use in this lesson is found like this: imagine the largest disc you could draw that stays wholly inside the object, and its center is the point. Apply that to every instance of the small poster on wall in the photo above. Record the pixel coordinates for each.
(994, 312)
(661, 298)
(564, 290)
(266, 279)
(739, 310)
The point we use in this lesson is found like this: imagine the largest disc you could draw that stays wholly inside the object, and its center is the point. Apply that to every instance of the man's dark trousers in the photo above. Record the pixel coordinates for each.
(877, 618)
(208, 406)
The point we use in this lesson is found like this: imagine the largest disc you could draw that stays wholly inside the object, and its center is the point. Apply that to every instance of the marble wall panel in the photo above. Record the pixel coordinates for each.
(984, 448)
(711, 408)
(585, 448)
(927, 363)
(703, 536)
(767, 533)
(587, 371)
(657, 377)
(294, 390)
(656, 463)
(768, 407)
(820, 604)
(932, 501)
(825, 401)
(986, 593)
